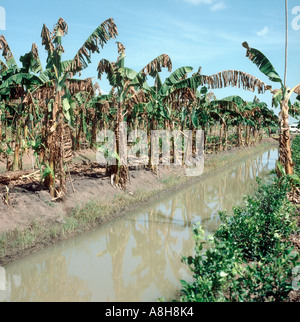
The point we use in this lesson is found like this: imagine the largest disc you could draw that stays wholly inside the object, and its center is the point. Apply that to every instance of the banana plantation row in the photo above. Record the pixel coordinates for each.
(50, 113)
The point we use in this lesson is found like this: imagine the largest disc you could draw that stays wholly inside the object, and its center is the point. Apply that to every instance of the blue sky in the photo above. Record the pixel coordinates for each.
(206, 33)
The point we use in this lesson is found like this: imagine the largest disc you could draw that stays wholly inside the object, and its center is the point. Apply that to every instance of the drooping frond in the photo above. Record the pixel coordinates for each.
(6, 52)
(73, 86)
(277, 97)
(121, 48)
(233, 78)
(21, 79)
(178, 75)
(35, 52)
(31, 61)
(250, 110)
(37, 65)
(263, 63)
(61, 28)
(235, 99)
(152, 69)
(297, 90)
(238, 79)
(107, 67)
(232, 103)
(79, 85)
(181, 96)
(106, 31)
(135, 98)
(127, 73)
(121, 57)
(3, 67)
(46, 40)
(97, 88)
(156, 65)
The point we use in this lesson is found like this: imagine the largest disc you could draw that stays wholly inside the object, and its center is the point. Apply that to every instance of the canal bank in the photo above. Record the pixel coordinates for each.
(34, 222)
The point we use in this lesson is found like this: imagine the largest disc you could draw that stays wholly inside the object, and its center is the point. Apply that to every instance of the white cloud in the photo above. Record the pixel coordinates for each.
(197, 2)
(218, 6)
(214, 5)
(263, 32)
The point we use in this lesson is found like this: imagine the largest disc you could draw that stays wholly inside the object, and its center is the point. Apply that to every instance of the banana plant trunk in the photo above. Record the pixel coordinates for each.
(25, 139)
(17, 149)
(248, 135)
(79, 132)
(51, 145)
(239, 134)
(255, 135)
(285, 157)
(205, 138)
(120, 171)
(221, 136)
(226, 137)
(94, 132)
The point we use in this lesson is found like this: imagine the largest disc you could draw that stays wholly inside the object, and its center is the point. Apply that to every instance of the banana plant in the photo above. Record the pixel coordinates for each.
(131, 87)
(168, 107)
(119, 78)
(264, 117)
(163, 101)
(231, 108)
(205, 113)
(15, 84)
(227, 78)
(281, 97)
(60, 74)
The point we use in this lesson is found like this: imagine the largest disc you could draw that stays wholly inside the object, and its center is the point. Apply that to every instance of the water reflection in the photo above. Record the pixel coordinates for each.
(137, 257)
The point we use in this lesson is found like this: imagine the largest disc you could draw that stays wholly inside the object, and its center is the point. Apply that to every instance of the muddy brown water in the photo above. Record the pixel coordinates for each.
(136, 258)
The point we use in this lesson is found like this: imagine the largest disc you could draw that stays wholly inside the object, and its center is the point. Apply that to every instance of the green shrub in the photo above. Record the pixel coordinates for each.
(296, 154)
(214, 270)
(269, 280)
(249, 259)
(221, 275)
(259, 228)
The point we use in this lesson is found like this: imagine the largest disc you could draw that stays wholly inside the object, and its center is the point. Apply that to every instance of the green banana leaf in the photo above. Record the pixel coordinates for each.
(263, 63)
(177, 75)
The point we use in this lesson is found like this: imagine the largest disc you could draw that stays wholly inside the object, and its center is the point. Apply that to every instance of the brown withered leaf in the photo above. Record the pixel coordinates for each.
(6, 52)
(106, 31)
(121, 48)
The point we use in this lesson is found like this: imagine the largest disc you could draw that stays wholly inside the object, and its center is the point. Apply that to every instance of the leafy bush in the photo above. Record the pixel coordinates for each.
(222, 275)
(214, 270)
(269, 280)
(296, 154)
(259, 228)
(249, 259)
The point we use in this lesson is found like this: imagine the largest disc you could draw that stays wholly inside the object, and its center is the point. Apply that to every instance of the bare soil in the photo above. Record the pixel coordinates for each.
(24, 203)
